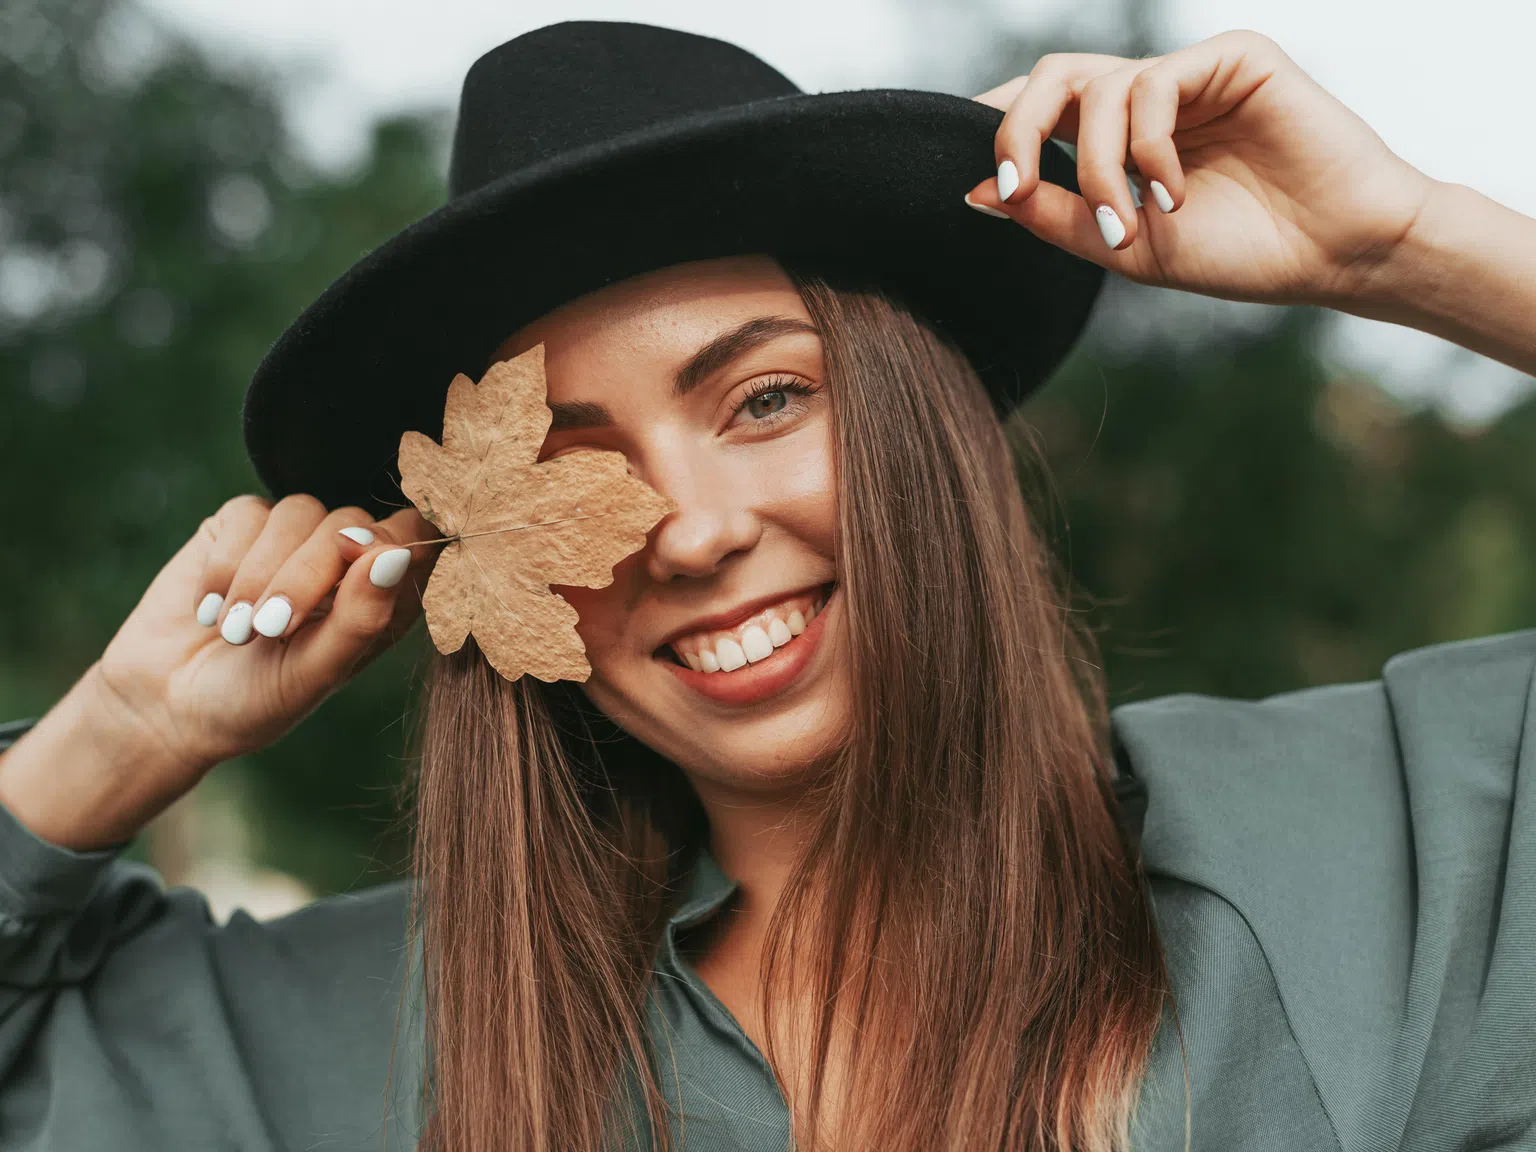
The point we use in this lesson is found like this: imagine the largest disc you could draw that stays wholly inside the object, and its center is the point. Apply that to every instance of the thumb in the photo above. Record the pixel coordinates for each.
(408, 524)
(374, 605)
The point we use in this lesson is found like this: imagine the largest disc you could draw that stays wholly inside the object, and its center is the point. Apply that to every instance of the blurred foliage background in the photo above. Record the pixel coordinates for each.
(1240, 517)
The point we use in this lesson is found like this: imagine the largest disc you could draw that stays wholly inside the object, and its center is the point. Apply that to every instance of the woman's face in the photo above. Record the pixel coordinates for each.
(719, 644)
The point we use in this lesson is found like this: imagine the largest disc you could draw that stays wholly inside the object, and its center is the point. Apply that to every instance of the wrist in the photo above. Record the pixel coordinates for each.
(85, 776)
(1403, 286)
(1465, 271)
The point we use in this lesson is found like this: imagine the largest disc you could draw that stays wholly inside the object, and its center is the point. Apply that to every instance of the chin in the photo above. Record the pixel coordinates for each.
(766, 753)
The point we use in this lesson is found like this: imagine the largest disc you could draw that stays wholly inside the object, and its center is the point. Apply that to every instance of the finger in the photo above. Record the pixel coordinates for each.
(313, 569)
(1102, 139)
(1064, 219)
(227, 535)
(289, 523)
(408, 525)
(179, 579)
(375, 603)
(1046, 106)
(1004, 94)
(1155, 99)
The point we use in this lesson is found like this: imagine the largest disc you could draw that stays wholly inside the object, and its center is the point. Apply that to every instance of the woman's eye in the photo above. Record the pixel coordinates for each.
(766, 403)
(777, 402)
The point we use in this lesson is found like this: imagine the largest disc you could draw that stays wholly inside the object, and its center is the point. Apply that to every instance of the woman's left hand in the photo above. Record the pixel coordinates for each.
(1269, 188)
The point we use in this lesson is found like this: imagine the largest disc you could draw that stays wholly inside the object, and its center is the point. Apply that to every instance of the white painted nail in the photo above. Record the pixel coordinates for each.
(730, 655)
(755, 644)
(273, 617)
(1160, 194)
(361, 535)
(237, 623)
(1109, 225)
(987, 209)
(1007, 180)
(389, 567)
(208, 609)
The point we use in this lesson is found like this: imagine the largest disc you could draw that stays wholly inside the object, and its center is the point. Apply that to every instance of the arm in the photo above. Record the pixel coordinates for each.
(79, 781)
(1257, 184)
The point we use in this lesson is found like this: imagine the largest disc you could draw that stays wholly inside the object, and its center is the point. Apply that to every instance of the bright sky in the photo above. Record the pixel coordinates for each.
(1447, 88)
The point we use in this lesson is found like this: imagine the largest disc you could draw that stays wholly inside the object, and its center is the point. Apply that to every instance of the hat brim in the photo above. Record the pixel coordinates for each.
(871, 179)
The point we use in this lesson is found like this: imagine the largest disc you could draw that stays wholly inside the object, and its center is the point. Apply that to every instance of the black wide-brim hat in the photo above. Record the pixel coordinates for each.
(588, 152)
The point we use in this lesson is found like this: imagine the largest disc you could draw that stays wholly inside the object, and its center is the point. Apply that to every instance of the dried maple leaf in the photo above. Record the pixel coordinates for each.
(518, 525)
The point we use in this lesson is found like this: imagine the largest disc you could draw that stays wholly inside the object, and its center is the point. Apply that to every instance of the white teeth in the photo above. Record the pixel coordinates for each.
(755, 644)
(730, 655)
(728, 650)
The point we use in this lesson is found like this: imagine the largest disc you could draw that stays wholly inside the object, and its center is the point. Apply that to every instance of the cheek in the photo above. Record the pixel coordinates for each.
(796, 488)
(603, 612)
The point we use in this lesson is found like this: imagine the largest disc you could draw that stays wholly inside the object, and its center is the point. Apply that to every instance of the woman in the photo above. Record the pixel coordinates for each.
(829, 848)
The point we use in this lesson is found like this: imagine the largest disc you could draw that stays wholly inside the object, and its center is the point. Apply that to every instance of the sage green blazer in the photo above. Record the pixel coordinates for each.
(1344, 880)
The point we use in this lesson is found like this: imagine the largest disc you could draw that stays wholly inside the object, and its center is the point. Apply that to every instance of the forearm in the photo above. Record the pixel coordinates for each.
(76, 781)
(1467, 272)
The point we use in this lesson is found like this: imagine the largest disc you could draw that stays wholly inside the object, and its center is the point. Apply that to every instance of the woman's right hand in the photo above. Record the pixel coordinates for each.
(187, 682)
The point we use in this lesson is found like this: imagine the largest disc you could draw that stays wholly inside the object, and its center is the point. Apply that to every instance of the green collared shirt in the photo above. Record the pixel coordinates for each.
(1344, 880)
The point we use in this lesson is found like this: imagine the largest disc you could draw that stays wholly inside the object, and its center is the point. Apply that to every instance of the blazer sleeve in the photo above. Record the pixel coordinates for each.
(1379, 840)
(130, 1019)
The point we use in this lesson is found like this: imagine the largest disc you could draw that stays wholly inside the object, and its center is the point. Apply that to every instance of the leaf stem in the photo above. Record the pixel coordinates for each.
(509, 528)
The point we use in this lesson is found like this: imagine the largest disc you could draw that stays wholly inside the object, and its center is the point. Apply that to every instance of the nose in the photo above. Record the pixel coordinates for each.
(707, 527)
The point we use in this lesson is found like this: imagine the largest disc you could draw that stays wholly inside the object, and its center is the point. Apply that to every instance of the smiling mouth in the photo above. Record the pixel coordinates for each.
(750, 640)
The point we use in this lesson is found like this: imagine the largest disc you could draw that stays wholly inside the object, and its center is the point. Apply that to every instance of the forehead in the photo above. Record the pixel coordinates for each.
(660, 317)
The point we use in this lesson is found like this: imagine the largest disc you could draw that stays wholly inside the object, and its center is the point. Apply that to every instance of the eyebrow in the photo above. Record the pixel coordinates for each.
(704, 363)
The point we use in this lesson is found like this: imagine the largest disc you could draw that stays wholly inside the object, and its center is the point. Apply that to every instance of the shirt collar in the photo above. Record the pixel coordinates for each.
(708, 889)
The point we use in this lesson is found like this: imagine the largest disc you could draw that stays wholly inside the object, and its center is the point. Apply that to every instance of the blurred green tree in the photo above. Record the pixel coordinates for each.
(1248, 521)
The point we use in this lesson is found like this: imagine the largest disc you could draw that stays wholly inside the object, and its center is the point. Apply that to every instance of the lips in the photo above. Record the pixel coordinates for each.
(751, 639)
(734, 639)
(762, 680)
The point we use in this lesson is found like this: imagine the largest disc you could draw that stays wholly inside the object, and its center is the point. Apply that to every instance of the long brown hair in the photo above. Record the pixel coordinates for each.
(969, 917)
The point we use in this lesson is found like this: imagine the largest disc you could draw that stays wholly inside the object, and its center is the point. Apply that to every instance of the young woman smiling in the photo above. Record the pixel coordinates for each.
(833, 849)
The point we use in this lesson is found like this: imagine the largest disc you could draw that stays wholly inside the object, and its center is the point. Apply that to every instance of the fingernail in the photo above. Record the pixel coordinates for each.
(986, 208)
(1007, 180)
(237, 623)
(1109, 225)
(389, 567)
(273, 617)
(360, 535)
(1160, 194)
(208, 610)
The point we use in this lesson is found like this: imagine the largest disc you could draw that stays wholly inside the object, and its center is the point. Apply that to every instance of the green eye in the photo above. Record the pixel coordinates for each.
(765, 404)
(775, 402)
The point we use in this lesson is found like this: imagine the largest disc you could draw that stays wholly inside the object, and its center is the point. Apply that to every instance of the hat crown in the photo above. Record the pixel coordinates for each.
(581, 82)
